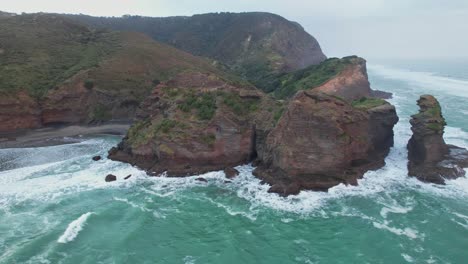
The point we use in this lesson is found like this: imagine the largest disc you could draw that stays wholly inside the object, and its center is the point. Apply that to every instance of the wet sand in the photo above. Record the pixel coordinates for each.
(57, 136)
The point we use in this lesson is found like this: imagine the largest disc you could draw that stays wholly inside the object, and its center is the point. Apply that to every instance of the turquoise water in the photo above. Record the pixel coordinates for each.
(56, 208)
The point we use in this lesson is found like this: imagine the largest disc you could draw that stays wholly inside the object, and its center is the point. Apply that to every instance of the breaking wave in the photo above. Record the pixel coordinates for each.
(74, 228)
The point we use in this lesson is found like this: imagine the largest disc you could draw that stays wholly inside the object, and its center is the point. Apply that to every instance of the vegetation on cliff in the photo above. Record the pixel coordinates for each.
(313, 76)
(368, 103)
(255, 46)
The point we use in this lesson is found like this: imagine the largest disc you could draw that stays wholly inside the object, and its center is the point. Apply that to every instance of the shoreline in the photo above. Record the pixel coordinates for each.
(51, 136)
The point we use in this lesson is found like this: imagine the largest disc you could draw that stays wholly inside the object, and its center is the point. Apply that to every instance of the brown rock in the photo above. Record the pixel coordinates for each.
(430, 159)
(110, 178)
(322, 141)
(231, 172)
(191, 145)
(19, 111)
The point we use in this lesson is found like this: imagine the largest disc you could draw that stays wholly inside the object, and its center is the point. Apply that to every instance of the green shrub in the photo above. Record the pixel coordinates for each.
(88, 84)
(367, 103)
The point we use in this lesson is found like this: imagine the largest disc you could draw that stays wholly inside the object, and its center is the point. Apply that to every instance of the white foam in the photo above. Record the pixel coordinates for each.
(426, 80)
(408, 258)
(408, 232)
(74, 228)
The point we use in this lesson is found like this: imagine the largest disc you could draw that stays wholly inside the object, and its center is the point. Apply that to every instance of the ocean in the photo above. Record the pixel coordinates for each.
(56, 208)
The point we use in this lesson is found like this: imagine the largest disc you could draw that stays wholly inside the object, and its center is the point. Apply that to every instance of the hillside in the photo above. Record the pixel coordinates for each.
(252, 45)
(68, 73)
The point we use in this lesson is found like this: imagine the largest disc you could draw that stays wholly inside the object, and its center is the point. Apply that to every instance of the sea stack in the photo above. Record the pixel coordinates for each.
(430, 159)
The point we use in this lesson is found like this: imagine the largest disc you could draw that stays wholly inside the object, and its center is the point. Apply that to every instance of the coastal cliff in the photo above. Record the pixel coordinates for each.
(315, 140)
(196, 123)
(322, 141)
(430, 159)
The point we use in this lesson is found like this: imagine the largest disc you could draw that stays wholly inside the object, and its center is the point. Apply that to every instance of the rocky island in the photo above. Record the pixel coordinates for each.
(430, 158)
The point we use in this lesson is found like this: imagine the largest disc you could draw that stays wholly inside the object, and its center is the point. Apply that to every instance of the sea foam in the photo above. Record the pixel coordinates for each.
(74, 228)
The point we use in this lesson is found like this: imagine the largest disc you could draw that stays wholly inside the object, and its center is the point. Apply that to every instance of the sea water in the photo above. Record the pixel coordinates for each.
(55, 206)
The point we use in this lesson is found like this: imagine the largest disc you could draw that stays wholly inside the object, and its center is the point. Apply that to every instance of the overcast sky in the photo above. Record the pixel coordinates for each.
(369, 28)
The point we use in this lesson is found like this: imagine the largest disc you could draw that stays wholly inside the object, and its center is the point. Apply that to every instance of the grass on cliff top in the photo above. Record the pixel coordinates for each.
(435, 113)
(310, 77)
(368, 103)
(38, 52)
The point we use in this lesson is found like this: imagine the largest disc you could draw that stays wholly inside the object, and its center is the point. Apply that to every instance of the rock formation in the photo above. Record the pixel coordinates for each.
(430, 158)
(313, 141)
(195, 123)
(322, 141)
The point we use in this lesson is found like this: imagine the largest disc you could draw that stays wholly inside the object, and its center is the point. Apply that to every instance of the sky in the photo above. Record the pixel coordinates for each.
(420, 29)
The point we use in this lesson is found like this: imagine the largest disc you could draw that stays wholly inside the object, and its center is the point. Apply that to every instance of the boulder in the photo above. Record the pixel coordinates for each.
(430, 159)
(231, 172)
(201, 179)
(110, 178)
(97, 158)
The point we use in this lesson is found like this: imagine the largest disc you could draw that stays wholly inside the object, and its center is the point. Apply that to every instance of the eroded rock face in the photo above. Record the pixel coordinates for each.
(322, 141)
(430, 159)
(18, 111)
(351, 84)
(193, 124)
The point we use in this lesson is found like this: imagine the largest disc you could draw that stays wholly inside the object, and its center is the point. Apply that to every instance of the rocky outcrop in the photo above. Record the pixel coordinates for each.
(198, 122)
(351, 83)
(193, 124)
(322, 141)
(430, 159)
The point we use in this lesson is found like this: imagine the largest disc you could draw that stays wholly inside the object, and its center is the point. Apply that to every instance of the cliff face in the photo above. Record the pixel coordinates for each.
(253, 45)
(430, 158)
(195, 123)
(18, 111)
(322, 141)
(351, 83)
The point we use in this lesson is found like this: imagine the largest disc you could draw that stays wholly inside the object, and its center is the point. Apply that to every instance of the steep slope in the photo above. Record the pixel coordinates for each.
(253, 45)
(68, 73)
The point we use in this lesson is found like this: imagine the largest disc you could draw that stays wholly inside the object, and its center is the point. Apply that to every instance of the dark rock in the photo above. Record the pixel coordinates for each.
(381, 94)
(231, 172)
(128, 177)
(97, 158)
(430, 159)
(285, 189)
(201, 179)
(111, 178)
(227, 182)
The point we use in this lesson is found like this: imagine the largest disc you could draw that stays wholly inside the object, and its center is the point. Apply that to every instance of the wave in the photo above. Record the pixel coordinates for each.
(426, 80)
(74, 228)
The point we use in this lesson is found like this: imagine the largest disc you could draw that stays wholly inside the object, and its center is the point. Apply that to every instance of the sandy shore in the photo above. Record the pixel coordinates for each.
(56, 136)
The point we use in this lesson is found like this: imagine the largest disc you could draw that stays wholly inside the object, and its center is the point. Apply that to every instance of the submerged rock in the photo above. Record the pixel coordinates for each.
(127, 177)
(110, 178)
(201, 179)
(430, 159)
(231, 172)
(97, 158)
